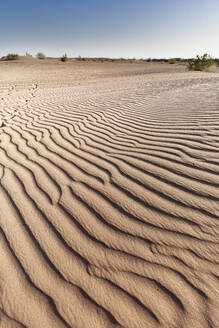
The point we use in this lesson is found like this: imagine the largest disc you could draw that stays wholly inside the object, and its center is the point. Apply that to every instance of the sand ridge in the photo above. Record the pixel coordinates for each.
(109, 197)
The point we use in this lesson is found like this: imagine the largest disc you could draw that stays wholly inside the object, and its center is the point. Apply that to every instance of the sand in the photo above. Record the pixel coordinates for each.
(109, 195)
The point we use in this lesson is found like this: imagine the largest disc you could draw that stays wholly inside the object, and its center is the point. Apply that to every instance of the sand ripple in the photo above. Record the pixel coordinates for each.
(110, 203)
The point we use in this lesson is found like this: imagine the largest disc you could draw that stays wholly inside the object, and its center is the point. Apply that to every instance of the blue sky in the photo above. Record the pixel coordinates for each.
(111, 28)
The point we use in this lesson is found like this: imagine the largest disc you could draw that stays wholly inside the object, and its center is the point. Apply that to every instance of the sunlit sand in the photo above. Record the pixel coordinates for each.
(109, 197)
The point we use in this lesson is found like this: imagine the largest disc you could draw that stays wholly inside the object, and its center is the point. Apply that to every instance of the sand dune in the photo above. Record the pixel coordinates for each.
(109, 196)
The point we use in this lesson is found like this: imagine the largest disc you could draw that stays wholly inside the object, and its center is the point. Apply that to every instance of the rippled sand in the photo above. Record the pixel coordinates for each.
(109, 196)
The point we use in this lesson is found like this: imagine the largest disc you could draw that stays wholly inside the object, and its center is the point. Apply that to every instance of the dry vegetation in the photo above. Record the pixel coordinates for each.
(200, 63)
(40, 55)
(12, 56)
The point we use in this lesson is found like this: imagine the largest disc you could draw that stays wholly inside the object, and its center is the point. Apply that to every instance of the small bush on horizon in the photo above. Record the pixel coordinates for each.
(64, 58)
(105, 59)
(159, 60)
(40, 55)
(201, 63)
(131, 60)
(12, 57)
(28, 55)
(172, 60)
(217, 62)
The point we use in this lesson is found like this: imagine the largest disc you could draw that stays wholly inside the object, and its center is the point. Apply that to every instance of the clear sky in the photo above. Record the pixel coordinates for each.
(110, 28)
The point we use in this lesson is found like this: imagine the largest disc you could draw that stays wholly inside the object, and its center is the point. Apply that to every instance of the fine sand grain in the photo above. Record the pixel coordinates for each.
(109, 195)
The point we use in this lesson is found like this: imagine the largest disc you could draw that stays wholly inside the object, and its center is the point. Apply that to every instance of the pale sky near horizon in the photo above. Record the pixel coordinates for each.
(110, 28)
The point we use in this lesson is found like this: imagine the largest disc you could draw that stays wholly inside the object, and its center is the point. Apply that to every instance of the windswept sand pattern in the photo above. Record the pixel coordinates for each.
(109, 198)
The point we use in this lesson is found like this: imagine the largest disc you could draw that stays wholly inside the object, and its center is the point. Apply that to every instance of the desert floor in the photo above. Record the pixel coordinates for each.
(109, 195)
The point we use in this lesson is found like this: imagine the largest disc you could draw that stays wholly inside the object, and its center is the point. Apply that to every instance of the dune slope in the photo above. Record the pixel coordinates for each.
(109, 202)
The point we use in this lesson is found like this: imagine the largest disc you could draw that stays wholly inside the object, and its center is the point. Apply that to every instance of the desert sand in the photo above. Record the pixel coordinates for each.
(109, 195)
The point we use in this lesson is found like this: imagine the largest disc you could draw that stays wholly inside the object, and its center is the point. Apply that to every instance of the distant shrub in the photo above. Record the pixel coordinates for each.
(81, 58)
(130, 60)
(101, 59)
(12, 57)
(217, 62)
(172, 61)
(64, 58)
(40, 55)
(201, 63)
(159, 60)
(28, 55)
(127, 60)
